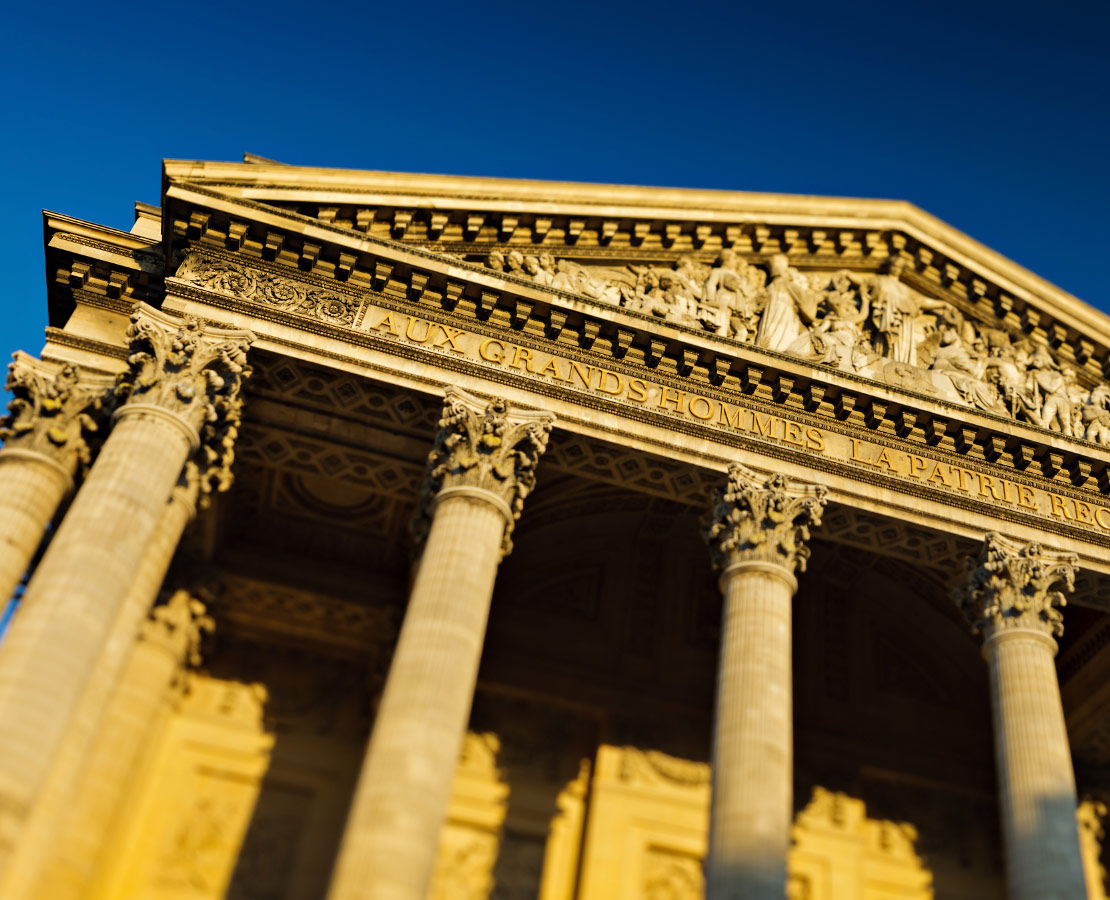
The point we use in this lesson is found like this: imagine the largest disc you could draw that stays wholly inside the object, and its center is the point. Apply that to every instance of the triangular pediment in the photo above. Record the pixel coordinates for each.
(874, 289)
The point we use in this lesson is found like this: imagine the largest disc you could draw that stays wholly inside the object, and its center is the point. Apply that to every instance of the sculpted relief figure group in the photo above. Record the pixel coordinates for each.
(874, 325)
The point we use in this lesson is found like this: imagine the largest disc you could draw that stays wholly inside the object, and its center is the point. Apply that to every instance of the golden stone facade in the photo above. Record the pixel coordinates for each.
(399, 537)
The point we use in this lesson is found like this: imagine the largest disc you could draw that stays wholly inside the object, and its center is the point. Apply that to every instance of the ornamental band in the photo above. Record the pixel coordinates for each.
(374, 536)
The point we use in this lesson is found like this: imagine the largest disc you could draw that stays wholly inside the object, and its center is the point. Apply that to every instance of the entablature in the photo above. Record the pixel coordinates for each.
(389, 309)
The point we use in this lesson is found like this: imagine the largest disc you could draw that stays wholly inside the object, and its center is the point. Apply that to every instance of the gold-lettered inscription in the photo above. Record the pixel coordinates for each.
(719, 414)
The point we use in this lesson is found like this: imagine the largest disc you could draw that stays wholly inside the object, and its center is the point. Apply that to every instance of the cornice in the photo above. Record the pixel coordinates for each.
(1005, 280)
(430, 280)
(82, 256)
(60, 223)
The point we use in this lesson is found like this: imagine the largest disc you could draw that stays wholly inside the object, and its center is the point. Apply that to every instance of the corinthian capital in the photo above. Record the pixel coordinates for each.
(179, 625)
(1011, 585)
(760, 519)
(488, 448)
(187, 367)
(52, 410)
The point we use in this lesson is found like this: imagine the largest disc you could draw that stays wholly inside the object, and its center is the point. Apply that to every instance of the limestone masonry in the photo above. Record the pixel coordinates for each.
(379, 536)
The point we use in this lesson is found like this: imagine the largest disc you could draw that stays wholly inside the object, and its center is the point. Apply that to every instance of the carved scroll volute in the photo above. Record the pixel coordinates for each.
(53, 411)
(1012, 586)
(761, 519)
(186, 367)
(484, 447)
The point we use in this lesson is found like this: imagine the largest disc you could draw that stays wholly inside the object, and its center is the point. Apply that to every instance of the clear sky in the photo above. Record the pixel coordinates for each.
(993, 117)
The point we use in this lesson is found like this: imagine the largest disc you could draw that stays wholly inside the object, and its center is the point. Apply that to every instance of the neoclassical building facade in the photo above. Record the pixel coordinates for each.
(394, 537)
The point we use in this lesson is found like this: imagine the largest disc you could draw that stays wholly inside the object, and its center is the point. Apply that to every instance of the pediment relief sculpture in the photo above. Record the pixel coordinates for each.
(873, 325)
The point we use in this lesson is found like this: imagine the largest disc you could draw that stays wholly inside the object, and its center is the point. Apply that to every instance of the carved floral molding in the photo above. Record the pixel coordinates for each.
(262, 287)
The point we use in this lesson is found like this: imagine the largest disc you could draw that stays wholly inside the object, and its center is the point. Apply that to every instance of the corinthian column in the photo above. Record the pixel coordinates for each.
(482, 468)
(757, 533)
(183, 383)
(44, 443)
(72, 814)
(1010, 599)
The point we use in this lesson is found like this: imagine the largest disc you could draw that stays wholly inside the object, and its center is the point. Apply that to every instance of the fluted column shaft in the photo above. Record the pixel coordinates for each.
(757, 531)
(31, 488)
(184, 379)
(113, 719)
(1011, 597)
(73, 599)
(1035, 779)
(753, 741)
(478, 476)
(402, 796)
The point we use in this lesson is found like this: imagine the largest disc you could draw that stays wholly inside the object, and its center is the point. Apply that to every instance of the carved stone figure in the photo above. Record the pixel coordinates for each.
(895, 309)
(1009, 363)
(955, 364)
(536, 271)
(1047, 381)
(791, 307)
(730, 295)
(1095, 415)
(663, 293)
(515, 261)
(838, 337)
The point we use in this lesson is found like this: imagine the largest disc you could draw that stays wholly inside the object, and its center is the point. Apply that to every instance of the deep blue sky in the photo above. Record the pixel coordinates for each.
(995, 121)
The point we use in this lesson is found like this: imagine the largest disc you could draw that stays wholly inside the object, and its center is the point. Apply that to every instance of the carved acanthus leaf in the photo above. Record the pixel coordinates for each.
(52, 411)
(179, 625)
(1011, 585)
(196, 371)
(756, 518)
(487, 447)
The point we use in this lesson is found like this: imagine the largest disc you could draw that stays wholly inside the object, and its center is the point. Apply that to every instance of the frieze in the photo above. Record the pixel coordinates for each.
(1023, 383)
(262, 287)
(782, 428)
(460, 222)
(777, 431)
(869, 324)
